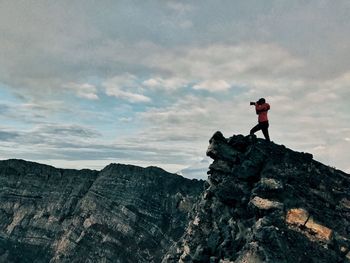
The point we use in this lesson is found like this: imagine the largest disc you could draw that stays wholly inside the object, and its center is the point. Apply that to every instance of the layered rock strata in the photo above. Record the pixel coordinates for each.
(121, 214)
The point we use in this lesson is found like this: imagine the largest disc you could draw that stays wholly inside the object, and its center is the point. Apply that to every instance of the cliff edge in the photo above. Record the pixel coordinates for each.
(266, 203)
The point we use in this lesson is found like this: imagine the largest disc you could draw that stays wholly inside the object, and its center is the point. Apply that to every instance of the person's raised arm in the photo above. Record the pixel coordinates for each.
(261, 108)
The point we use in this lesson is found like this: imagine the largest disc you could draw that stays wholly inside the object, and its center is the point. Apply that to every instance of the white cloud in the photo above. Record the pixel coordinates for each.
(119, 87)
(185, 111)
(125, 80)
(321, 95)
(177, 45)
(179, 7)
(186, 24)
(125, 95)
(165, 83)
(212, 85)
(85, 90)
(229, 62)
(125, 119)
(319, 148)
(260, 66)
(152, 83)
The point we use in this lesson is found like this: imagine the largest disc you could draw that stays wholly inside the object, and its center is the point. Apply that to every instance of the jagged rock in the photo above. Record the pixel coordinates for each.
(201, 255)
(265, 204)
(251, 165)
(230, 192)
(219, 149)
(297, 216)
(239, 142)
(321, 232)
(269, 184)
(269, 204)
(220, 166)
(213, 260)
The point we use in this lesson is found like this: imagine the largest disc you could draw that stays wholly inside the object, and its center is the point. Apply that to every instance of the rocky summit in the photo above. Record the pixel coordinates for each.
(121, 214)
(265, 203)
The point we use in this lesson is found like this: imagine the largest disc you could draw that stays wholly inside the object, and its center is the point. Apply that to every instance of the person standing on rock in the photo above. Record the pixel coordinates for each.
(261, 108)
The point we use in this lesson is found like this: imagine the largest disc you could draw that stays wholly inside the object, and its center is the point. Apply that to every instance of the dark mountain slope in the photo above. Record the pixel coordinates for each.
(123, 213)
(266, 203)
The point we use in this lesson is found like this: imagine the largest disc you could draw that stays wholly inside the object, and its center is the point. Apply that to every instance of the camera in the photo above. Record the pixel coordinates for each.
(252, 103)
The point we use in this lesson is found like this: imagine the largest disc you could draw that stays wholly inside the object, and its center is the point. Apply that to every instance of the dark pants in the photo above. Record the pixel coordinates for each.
(264, 127)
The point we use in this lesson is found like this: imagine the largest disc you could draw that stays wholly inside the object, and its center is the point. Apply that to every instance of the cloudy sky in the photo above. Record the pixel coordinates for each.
(87, 83)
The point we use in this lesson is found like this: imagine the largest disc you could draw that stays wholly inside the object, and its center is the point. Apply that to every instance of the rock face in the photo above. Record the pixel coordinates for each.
(121, 214)
(265, 203)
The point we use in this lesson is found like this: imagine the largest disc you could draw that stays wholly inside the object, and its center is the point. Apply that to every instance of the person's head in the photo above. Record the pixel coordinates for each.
(261, 101)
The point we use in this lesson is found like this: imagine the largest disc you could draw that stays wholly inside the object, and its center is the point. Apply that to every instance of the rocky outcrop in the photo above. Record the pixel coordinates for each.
(265, 203)
(121, 214)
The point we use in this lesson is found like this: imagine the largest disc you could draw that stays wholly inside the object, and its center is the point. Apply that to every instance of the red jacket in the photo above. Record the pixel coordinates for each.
(261, 110)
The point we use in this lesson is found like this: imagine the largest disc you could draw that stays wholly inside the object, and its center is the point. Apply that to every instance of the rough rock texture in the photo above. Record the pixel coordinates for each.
(266, 203)
(121, 214)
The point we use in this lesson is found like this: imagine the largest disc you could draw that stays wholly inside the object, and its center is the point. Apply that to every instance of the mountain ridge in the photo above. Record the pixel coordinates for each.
(262, 202)
(122, 213)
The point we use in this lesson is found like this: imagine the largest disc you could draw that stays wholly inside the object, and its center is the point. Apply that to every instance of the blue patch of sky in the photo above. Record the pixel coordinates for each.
(6, 96)
(9, 104)
(229, 94)
(110, 116)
